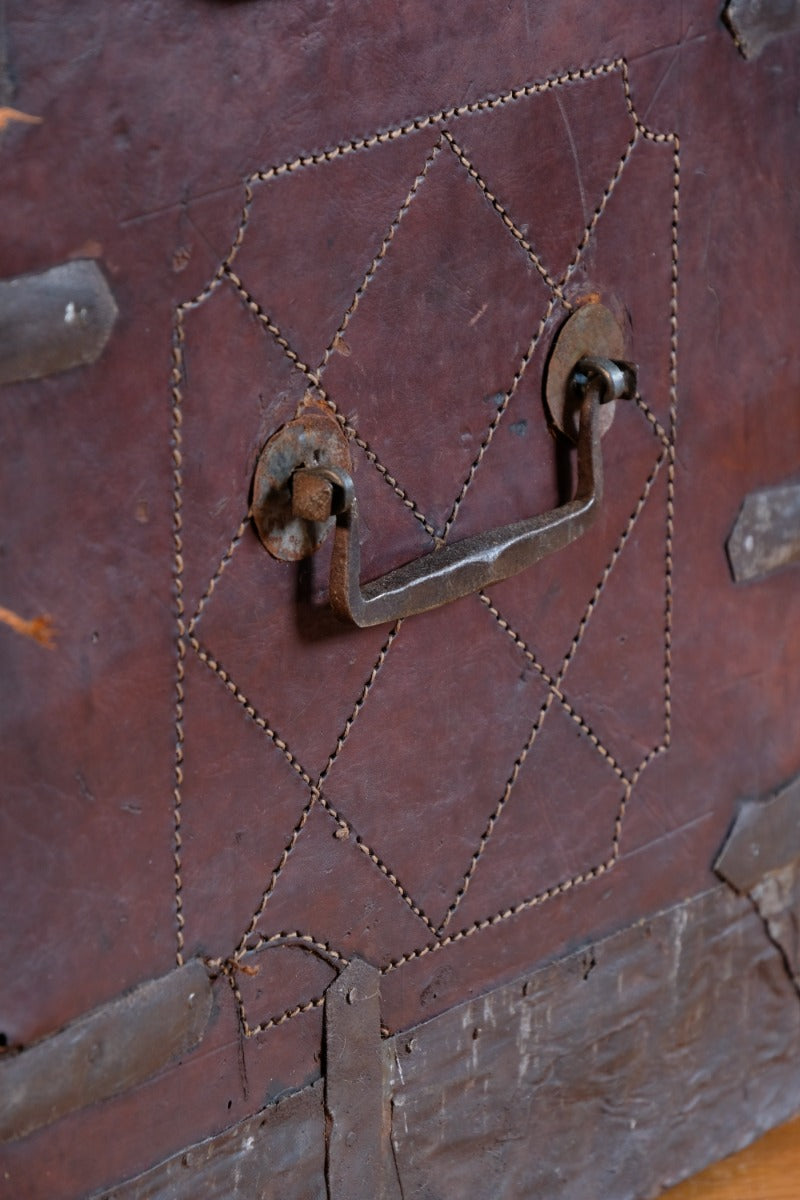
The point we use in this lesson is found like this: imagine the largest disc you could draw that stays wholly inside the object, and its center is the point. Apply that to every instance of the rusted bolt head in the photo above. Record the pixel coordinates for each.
(312, 496)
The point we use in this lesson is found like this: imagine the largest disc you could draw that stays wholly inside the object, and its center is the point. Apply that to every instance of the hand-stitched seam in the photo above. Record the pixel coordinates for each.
(345, 830)
(177, 377)
(515, 232)
(673, 422)
(436, 118)
(650, 134)
(598, 212)
(296, 938)
(590, 227)
(180, 643)
(285, 854)
(495, 816)
(617, 551)
(554, 692)
(223, 563)
(505, 914)
(645, 763)
(360, 702)
(251, 1030)
(554, 685)
(239, 696)
(668, 454)
(266, 321)
(490, 432)
(380, 255)
(658, 429)
(344, 827)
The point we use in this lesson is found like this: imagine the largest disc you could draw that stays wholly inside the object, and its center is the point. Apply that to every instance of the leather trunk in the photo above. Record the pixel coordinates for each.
(509, 806)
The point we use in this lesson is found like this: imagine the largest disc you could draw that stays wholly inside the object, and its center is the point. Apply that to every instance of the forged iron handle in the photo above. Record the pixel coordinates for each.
(475, 562)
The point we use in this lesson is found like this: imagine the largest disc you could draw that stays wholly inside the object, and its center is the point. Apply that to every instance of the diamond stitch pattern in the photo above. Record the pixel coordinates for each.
(231, 406)
(258, 628)
(230, 759)
(543, 155)
(306, 248)
(450, 669)
(450, 313)
(532, 847)
(353, 906)
(617, 679)
(326, 692)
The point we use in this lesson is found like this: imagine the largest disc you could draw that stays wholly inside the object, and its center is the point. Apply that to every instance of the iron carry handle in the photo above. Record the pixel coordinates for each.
(476, 562)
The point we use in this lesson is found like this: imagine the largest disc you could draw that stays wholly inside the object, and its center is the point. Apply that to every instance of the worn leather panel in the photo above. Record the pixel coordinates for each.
(490, 785)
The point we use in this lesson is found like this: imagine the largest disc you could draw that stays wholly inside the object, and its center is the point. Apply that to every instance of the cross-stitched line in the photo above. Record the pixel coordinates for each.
(554, 692)
(345, 830)
(555, 687)
(494, 818)
(609, 567)
(266, 321)
(360, 702)
(516, 233)
(380, 255)
(223, 563)
(657, 427)
(668, 454)
(496, 419)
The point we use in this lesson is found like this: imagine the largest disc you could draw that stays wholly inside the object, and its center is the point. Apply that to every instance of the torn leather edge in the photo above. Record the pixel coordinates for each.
(761, 859)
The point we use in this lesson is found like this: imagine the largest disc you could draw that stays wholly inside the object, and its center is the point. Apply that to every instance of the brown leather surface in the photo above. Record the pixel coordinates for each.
(577, 738)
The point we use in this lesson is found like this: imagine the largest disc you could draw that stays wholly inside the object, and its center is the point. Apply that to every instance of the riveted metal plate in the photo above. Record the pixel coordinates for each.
(54, 320)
